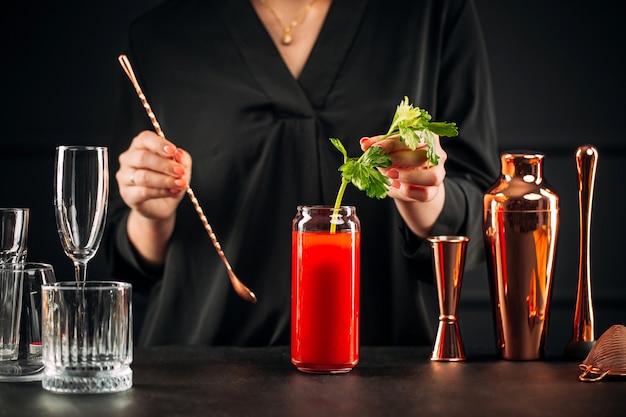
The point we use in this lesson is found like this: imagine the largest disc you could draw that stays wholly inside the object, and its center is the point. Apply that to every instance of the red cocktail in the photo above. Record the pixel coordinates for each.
(325, 290)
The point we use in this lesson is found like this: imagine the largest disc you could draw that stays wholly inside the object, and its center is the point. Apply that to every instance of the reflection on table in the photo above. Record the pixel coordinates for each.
(388, 381)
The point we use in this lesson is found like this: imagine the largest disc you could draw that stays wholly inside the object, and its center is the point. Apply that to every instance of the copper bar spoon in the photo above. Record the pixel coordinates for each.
(243, 291)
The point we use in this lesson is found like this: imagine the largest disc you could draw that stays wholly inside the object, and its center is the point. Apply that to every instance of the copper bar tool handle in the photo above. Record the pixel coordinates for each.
(583, 332)
(243, 291)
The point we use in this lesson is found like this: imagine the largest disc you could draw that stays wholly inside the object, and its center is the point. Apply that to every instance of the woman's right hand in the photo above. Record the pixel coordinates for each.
(153, 176)
(152, 179)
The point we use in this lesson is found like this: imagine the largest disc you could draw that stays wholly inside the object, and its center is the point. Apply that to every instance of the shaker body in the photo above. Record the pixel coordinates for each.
(521, 227)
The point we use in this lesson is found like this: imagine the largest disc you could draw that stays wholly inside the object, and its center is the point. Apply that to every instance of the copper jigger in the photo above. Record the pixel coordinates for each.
(583, 334)
(448, 262)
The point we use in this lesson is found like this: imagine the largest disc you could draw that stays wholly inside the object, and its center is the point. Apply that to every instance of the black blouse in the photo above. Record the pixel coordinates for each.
(259, 143)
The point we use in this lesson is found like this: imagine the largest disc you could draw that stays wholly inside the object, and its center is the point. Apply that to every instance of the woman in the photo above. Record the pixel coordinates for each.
(251, 91)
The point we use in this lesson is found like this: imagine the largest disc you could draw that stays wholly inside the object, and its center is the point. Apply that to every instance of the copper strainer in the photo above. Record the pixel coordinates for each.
(607, 357)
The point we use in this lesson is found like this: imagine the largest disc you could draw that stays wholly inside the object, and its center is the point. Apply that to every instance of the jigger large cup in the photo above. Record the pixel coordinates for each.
(448, 262)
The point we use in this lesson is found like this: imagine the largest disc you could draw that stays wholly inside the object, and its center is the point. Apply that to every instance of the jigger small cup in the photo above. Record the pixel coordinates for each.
(448, 264)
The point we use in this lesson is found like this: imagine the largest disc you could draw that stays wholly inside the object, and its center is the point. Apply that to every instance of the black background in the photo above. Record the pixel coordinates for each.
(559, 79)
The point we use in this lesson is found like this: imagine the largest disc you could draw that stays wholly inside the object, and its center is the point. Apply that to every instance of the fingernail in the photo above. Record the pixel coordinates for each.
(170, 150)
(363, 140)
(393, 174)
(180, 183)
(179, 170)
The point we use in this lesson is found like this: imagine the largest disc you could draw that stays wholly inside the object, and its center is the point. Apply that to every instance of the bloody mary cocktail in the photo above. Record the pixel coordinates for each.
(325, 290)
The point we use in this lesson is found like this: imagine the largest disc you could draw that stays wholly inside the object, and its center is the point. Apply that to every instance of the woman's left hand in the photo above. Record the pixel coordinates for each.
(413, 178)
(417, 186)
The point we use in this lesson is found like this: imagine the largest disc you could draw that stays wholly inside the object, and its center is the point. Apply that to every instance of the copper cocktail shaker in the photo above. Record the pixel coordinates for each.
(521, 226)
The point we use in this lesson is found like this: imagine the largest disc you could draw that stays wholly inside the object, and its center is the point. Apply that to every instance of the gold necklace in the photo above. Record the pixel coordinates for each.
(287, 37)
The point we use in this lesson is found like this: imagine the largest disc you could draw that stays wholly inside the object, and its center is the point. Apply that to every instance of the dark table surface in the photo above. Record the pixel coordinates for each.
(224, 381)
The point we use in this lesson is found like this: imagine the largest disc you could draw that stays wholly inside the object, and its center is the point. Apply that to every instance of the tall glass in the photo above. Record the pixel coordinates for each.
(26, 364)
(325, 289)
(13, 238)
(81, 184)
(10, 314)
(13, 234)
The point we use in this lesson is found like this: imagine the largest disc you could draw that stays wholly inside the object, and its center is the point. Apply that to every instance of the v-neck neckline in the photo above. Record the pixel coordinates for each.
(297, 97)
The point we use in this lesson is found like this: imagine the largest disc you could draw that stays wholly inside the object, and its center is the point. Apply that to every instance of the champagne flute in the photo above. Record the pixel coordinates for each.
(81, 197)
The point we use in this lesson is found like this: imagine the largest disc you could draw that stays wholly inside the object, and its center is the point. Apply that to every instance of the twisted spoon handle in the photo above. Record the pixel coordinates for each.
(243, 291)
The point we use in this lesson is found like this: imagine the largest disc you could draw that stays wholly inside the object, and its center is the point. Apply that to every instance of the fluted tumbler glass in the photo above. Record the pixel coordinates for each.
(95, 356)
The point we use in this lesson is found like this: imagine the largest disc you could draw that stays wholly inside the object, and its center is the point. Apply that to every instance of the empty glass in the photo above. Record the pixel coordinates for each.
(87, 349)
(10, 310)
(81, 197)
(26, 280)
(13, 234)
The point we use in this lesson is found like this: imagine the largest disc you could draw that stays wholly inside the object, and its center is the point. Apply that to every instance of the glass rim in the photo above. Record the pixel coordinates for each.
(87, 285)
(81, 147)
(26, 266)
(325, 207)
(15, 209)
